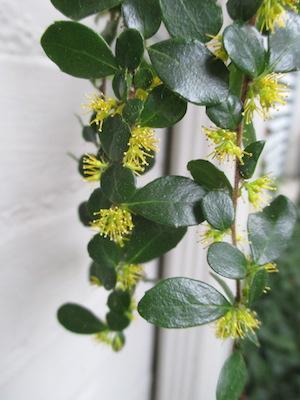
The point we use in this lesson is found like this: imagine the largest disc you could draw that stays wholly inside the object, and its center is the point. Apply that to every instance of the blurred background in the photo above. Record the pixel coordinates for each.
(44, 262)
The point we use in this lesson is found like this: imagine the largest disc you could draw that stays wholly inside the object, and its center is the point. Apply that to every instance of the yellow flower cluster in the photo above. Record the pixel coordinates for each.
(263, 94)
(236, 323)
(93, 168)
(129, 275)
(217, 47)
(102, 106)
(256, 189)
(142, 141)
(114, 222)
(212, 235)
(226, 144)
(273, 12)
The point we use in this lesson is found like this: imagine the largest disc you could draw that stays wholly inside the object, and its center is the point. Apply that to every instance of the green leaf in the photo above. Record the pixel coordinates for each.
(114, 137)
(284, 46)
(162, 108)
(79, 319)
(119, 301)
(89, 134)
(143, 78)
(249, 134)
(245, 46)
(78, 50)
(84, 215)
(97, 202)
(224, 286)
(104, 251)
(170, 200)
(271, 230)
(218, 210)
(182, 303)
(209, 176)
(189, 69)
(242, 9)
(121, 84)
(250, 162)
(150, 240)
(233, 378)
(117, 322)
(143, 16)
(228, 114)
(78, 9)
(110, 30)
(132, 110)
(129, 49)
(192, 19)
(258, 283)
(236, 78)
(227, 260)
(106, 275)
(118, 183)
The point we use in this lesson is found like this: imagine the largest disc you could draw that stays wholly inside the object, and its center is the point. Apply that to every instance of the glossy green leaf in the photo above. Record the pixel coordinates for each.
(182, 303)
(271, 230)
(242, 9)
(258, 283)
(228, 114)
(119, 301)
(150, 240)
(162, 108)
(132, 110)
(143, 16)
(233, 378)
(170, 200)
(117, 322)
(129, 49)
(97, 202)
(121, 84)
(189, 69)
(284, 46)
(114, 137)
(248, 168)
(118, 183)
(79, 319)
(235, 80)
(192, 19)
(227, 260)
(78, 9)
(106, 275)
(78, 50)
(143, 78)
(104, 251)
(209, 176)
(84, 214)
(249, 134)
(245, 46)
(218, 210)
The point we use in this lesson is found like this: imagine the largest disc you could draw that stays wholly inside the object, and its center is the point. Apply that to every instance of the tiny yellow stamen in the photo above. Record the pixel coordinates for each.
(93, 167)
(129, 275)
(212, 235)
(217, 47)
(256, 188)
(273, 12)
(102, 106)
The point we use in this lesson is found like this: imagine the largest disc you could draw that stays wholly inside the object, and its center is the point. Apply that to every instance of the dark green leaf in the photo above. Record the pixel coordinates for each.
(235, 80)
(150, 240)
(209, 176)
(227, 260)
(104, 251)
(129, 49)
(121, 84)
(192, 19)
(106, 275)
(225, 287)
(132, 110)
(243, 9)
(143, 16)
(271, 230)
(245, 46)
(190, 70)
(89, 134)
(284, 46)
(143, 78)
(79, 319)
(114, 137)
(228, 114)
(84, 215)
(170, 200)
(117, 322)
(78, 50)
(119, 301)
(97, 202)
(162, 108)
(248, 168)
(182, 303)
(218, 210)
(233, 378)
(249, 134)
(258, 283)
(118, 183)
(78, 9)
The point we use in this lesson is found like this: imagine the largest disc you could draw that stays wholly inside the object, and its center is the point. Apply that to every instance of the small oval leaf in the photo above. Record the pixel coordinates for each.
(248, 168)
(242, 9)
(228, 114)
(218, 210)
(129, 49)
(78, 9)
(258, 283)
(104, 251)
(106, 275)
(118, 183)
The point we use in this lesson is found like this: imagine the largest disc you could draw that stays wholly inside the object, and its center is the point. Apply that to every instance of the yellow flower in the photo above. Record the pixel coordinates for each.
(263, 94)
(93, 168)
(256, 188)
(212, 235)
(104, 337)
(129, 274)
(217, 47)
(142, 141)
(102, 106)
(270, 268)
(236, 323)
(114, 222)
(273, 12)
